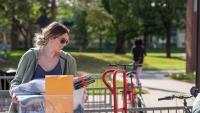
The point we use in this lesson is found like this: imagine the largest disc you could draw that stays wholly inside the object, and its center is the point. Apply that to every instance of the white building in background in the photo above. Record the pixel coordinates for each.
(180, 43)
(177, 40)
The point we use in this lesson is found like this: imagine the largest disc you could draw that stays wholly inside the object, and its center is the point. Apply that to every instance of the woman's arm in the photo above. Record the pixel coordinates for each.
(73, 67)
(22, 65)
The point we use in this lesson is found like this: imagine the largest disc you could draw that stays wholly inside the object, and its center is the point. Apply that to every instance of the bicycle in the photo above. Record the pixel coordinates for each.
(186, 108)
(136, 101)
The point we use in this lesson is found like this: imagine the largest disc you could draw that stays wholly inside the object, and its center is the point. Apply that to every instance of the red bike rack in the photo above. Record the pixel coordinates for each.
(114, 73)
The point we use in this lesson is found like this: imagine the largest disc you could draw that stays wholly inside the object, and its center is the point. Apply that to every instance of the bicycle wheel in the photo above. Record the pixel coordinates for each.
(187, 110)
(140, 103)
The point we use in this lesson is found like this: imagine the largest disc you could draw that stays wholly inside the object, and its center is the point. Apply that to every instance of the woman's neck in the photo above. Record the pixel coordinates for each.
(48, 52)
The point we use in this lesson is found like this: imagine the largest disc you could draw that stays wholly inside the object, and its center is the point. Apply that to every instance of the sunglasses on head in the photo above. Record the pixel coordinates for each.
(64, 41)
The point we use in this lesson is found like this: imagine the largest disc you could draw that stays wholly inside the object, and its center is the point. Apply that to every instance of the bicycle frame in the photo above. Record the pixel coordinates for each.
(132, 93)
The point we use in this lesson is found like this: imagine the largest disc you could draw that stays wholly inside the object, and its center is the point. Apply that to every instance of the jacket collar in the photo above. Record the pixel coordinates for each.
(63, 58)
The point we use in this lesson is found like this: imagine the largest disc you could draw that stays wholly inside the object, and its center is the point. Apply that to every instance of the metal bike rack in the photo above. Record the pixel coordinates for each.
(114, 73)
(100, 101)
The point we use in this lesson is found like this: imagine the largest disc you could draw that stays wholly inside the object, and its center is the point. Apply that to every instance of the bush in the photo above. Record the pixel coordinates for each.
(183, 76)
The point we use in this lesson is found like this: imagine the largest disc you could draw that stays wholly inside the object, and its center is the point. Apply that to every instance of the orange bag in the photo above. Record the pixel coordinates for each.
(59, 94)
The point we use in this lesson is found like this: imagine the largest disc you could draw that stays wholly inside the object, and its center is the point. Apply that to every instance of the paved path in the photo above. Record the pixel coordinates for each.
(159, 86)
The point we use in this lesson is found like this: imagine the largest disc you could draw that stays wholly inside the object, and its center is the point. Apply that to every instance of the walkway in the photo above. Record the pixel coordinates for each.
(159, 86)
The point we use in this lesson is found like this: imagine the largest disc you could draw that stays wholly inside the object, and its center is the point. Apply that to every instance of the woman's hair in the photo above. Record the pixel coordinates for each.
(53, 30)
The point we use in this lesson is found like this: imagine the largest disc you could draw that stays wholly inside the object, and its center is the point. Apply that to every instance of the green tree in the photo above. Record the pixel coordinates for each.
(99, 23)
(151, 24)
(125, 22)
(172, 15)
(80, 30)
(22, 16)
(80, 24)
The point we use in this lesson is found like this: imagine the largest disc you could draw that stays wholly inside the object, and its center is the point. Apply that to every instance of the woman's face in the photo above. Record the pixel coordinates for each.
(59, 42)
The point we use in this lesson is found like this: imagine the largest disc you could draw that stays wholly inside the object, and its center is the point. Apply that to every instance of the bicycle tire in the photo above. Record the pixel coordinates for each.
(140, 103)
(187, 110)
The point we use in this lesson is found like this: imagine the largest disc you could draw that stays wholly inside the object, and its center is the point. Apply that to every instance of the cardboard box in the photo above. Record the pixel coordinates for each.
(59, 94)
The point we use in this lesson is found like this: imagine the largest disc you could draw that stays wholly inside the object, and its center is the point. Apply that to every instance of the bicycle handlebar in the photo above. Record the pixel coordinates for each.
(174, 96)
(120, 65)
(165, 98)
(125, 65)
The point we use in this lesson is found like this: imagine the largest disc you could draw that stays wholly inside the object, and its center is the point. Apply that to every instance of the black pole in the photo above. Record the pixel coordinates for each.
(198, 47)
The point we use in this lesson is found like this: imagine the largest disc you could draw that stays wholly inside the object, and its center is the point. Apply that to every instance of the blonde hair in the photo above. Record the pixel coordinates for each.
(53, 30)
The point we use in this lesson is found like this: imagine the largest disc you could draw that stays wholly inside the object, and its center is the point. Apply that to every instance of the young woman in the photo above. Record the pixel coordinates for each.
(47, 58)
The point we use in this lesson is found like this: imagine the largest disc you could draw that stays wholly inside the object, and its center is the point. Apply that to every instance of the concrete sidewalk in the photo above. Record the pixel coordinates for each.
(159, 86)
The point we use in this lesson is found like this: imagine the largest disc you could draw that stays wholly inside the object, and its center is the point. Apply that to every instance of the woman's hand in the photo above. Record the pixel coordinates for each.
(14, 99)
(85, 98)
(75, 78)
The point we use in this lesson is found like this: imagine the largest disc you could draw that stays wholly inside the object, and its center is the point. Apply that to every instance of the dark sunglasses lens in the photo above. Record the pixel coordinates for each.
(62, 41)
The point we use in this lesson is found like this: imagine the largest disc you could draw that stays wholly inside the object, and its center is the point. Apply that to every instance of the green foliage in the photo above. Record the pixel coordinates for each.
(80, 24)
(80, 29)
(124, 15)
(183, 76)
(65, 11)
(5, 22)
(105, 20)
(13, 58)
(125, 21)
(23, 10)
(20, 17)
(99, 22)
(149, 18)
(145, 17)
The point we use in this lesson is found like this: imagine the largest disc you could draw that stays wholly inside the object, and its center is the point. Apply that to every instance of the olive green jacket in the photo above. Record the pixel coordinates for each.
(28, 64)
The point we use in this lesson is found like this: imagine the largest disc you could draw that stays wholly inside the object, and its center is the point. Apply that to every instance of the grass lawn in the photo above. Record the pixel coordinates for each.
(97, 62)
(158, 61)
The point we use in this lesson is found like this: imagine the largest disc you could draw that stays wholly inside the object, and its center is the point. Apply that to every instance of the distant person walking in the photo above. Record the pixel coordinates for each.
(138, 53)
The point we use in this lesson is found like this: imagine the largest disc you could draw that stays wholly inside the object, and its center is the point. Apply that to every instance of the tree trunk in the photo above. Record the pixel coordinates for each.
(80, 48)
(119, 49)
(14, 36)
(145, 39)
(26, 41)
(31, 35)
(100, 44)
(81, 42)
(190, 38)
(53, 10)
(168, 41)
(5, 37)
(129, 42)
